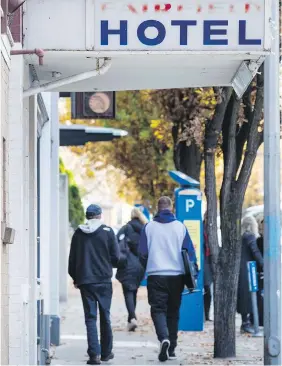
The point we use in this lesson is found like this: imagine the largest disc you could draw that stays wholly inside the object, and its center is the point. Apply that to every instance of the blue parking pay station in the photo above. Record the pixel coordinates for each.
(253, 288)
(188, 207)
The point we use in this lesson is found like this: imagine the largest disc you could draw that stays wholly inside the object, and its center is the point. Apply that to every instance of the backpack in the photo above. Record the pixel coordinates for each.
(123, 241)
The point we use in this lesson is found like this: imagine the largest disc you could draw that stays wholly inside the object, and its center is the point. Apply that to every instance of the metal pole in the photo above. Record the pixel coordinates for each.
(272, 240)
(255, 312)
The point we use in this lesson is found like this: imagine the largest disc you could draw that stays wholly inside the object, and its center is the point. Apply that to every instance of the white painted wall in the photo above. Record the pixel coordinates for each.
(5, 47)
(22, 217)
(17, 269)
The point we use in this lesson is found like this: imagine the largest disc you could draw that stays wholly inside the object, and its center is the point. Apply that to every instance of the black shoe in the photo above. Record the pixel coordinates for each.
(94, 360)
(163, 354)
(172, 355)
(108, 358)
(247, 328)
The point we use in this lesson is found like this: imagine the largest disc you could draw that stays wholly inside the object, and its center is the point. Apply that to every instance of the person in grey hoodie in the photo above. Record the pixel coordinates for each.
(93, 254)
(160, 248)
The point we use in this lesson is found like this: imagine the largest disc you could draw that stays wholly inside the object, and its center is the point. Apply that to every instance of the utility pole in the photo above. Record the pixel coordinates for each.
(272, 238)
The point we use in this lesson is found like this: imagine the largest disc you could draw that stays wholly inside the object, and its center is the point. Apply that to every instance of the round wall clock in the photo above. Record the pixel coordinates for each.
(99, 102)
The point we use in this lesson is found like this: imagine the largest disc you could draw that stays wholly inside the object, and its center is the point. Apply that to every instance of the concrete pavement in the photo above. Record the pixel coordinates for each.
(141, 347)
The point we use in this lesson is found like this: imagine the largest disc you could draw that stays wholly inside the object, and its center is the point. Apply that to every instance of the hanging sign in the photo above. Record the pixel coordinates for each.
(223, 25)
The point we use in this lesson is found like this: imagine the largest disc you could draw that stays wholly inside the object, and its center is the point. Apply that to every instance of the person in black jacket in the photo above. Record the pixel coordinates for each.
(250, 252)
(93, 254)
(132, 274)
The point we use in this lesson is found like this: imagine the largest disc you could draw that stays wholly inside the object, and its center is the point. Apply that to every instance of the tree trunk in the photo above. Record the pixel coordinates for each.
(190, 159)
(226, 282)
(210, 191)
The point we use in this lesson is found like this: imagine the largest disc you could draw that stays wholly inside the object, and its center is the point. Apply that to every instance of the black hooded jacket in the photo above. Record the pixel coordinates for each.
(93, 254)
(131, 276)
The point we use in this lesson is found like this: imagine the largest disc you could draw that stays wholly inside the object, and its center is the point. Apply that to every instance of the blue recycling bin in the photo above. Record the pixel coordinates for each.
(188, 207)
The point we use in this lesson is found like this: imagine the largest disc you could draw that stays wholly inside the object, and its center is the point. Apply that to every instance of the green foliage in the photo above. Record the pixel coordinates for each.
(141, 156)
(76, 210)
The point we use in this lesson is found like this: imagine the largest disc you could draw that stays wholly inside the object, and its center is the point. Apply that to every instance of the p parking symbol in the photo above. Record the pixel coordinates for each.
(189, 204)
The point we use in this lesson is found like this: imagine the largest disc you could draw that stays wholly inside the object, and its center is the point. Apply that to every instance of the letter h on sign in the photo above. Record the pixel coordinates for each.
(105, 32)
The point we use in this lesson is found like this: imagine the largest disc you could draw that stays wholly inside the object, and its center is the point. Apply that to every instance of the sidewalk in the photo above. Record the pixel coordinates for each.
(141, 347)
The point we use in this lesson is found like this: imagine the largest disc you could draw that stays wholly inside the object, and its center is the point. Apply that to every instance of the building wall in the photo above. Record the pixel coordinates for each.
(17, 273)
(4, 197)
(22, 204)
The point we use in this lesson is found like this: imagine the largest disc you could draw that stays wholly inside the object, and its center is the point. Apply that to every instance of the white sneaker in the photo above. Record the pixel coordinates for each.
(132, 325)
(163, 354)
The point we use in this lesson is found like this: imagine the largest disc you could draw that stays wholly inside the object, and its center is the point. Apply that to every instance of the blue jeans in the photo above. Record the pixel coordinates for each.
(93, 296)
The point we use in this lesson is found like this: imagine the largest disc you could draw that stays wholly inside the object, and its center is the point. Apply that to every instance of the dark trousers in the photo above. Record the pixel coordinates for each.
(94, 296)
(130, 297)
(164, 295)
(207, 301)
(247, 318)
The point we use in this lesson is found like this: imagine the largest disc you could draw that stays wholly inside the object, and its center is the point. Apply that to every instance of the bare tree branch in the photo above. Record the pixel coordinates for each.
(214, 126)
(254, 139)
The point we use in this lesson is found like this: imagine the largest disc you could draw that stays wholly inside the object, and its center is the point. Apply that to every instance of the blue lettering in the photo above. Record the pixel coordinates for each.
(242, 35)
(208, 32)
(151, 41)
(105, 32)
(183, 24)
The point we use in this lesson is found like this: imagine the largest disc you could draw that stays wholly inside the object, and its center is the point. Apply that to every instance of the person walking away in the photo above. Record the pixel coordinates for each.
(260, 221)
(208, 277)
(250, 252)
(131, 276)
(160, 253)
(94, 252)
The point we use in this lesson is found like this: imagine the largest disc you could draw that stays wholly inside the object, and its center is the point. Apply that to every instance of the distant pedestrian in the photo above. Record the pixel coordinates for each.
(94, 252)
(160, 252)
(132, 274)
(250, 252)
(208, 276)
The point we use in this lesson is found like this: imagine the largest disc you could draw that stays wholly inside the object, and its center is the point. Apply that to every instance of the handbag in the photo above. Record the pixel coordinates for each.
(123, 242)
(190, 271)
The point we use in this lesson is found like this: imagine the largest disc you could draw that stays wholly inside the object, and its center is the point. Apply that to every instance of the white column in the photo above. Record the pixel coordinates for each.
(45, 212)
(272, 197)
(64, 236)
(32, 230)
(54, 227)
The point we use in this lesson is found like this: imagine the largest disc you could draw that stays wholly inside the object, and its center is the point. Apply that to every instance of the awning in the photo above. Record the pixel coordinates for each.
(147, 45)
(79, 135)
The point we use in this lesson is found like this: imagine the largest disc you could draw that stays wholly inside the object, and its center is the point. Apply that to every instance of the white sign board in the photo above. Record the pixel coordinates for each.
(178, 25)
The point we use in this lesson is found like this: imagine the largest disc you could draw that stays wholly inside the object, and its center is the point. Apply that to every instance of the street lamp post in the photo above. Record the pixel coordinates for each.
(272, 240)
